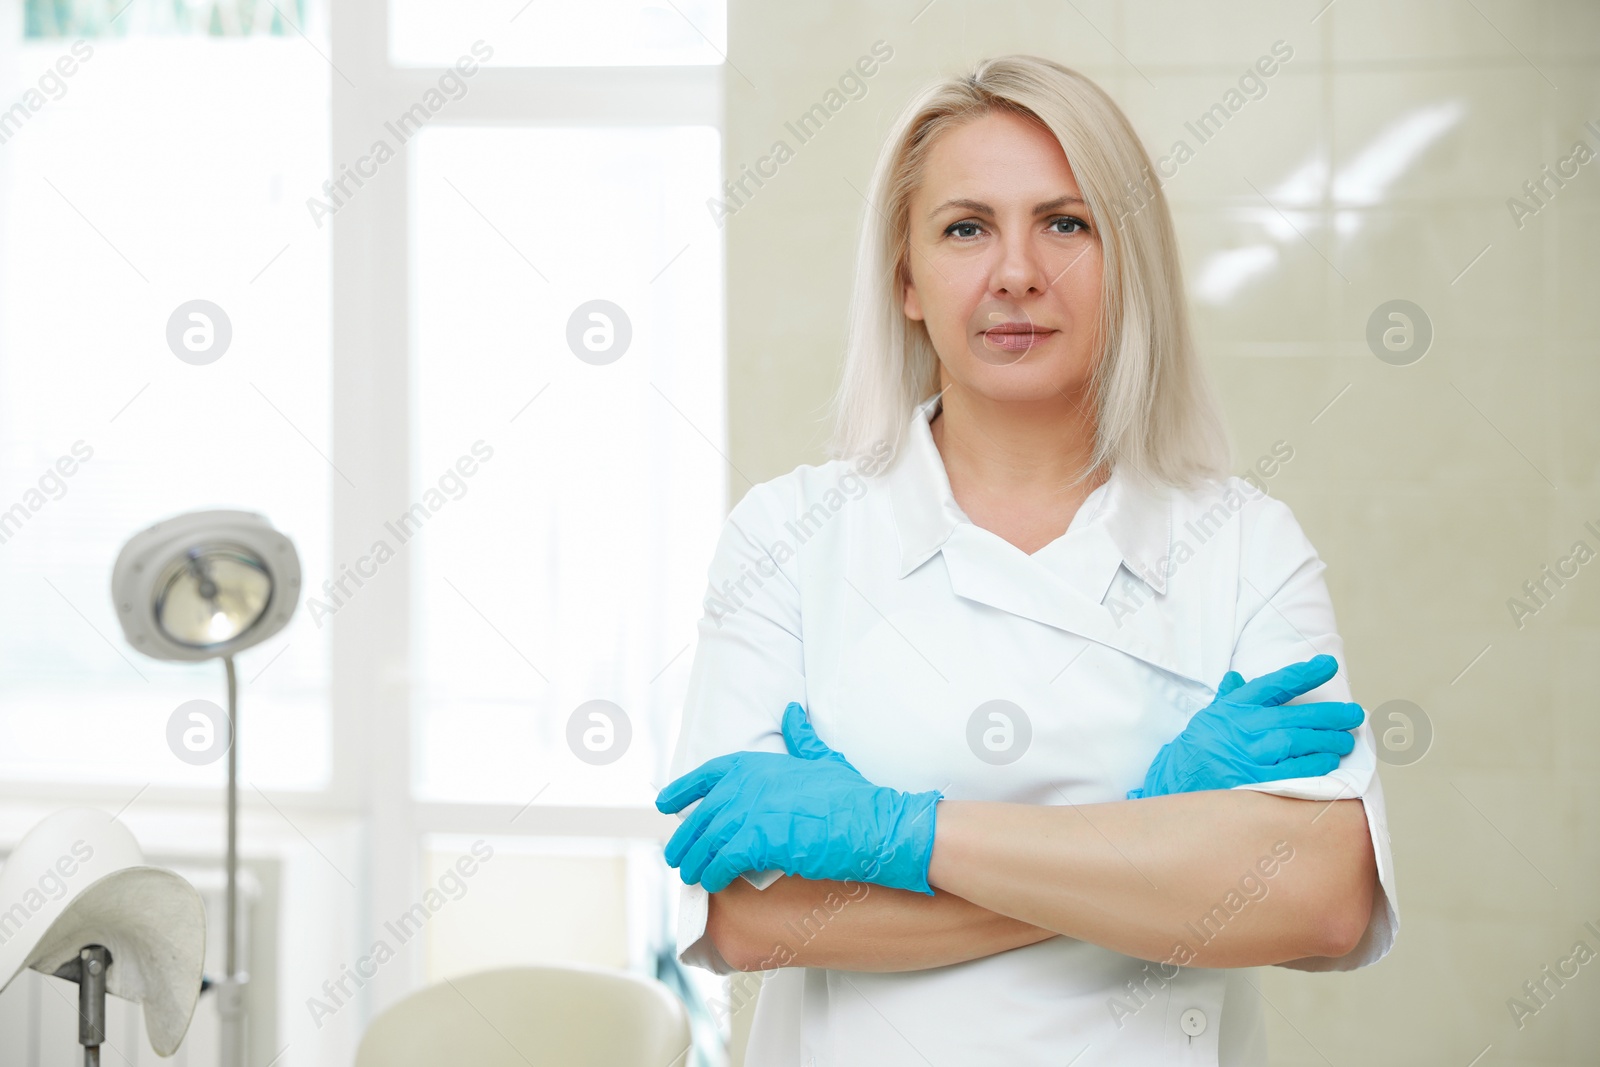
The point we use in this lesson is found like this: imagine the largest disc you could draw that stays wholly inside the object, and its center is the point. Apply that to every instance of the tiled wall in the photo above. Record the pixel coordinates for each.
(1377, 166)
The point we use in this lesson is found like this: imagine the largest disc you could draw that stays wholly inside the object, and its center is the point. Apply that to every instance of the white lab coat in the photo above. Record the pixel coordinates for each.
(877, 604)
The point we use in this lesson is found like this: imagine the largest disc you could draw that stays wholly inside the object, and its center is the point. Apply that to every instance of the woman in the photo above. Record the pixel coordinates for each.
(962, 681)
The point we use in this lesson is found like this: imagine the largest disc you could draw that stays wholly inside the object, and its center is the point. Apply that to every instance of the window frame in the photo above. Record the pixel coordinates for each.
(372, 433)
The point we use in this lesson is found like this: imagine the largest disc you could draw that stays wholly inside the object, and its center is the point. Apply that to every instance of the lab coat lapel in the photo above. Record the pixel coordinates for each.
(986, 569)
(1085, 585)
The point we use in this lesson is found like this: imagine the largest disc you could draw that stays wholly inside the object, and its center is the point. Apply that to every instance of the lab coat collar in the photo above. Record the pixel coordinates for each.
(1136, 520)
(1064, 584)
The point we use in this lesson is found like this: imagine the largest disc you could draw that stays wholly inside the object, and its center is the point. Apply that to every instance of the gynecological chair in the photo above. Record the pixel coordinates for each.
(541, 1016)
(77, 901)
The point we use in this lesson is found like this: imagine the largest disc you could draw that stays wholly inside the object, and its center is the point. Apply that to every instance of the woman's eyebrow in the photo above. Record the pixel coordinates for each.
(985, 209)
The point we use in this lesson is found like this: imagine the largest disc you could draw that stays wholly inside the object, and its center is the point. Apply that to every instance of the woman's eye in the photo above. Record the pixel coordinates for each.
(967, 229)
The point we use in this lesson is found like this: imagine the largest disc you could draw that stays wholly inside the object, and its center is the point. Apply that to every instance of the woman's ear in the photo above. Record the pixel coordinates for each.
(911, 303)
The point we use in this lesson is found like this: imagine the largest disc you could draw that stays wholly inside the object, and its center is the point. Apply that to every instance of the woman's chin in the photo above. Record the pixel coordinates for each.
(1022, 382)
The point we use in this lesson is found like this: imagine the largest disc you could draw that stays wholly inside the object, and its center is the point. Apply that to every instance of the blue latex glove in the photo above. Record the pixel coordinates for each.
(1244, 735)
(809, 813)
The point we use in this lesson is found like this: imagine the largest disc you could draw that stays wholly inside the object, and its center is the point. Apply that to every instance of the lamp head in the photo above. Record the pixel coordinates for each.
(205, 584)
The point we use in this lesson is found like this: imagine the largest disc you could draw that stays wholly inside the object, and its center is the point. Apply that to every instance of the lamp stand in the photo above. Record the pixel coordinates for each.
(195, 587)
(88, 969)
(231, 990)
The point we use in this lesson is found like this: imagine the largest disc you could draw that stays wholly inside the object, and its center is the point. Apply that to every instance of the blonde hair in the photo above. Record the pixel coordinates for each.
(1156, 411)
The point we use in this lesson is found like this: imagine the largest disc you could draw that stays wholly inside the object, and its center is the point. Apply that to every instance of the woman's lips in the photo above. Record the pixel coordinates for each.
(1015, 340)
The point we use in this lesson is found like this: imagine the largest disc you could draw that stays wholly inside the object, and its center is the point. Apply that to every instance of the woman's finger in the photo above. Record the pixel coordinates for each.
(694, 785)
(732, 860)
(718, 833)
(1316, 715)
(800, 736)
(1286, 683)
(1276, 746)
(1230, 681)
(1313, 766)
(695, 823)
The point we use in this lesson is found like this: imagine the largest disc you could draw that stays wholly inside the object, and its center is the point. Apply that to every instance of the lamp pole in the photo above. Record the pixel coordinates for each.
(230, 991)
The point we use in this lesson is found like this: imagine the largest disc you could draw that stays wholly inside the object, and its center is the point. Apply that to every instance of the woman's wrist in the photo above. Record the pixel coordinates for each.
(907, 824)
(946, 848)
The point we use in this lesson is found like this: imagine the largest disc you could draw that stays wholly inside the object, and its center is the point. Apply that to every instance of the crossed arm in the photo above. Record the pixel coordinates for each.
(1140, 877)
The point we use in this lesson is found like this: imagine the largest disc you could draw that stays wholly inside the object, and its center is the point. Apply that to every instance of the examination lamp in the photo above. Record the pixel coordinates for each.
(208, 585)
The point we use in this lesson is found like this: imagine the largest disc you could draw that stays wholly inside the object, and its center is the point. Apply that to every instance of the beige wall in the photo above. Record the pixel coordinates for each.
(1433, 490)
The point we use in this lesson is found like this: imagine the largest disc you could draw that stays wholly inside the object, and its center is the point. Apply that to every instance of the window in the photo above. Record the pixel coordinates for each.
(422, 357)
(560, 572)
(95, 256)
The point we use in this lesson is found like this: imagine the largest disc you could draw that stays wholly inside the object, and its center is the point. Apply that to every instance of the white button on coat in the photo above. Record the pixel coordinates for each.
(935, 655)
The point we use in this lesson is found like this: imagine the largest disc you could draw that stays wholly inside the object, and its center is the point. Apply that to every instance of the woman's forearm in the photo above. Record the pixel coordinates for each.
(855, 926)
(1219, 878)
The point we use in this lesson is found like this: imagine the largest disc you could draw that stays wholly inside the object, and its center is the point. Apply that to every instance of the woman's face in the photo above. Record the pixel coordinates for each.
(1005, 272)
